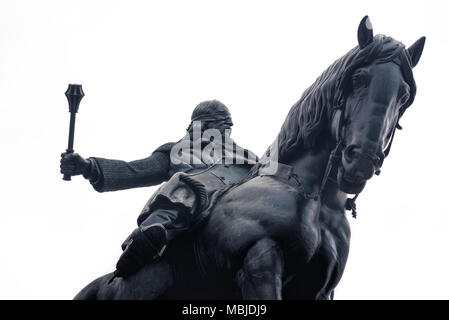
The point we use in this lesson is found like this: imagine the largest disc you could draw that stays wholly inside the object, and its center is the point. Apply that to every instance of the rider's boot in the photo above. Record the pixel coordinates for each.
(148, 242)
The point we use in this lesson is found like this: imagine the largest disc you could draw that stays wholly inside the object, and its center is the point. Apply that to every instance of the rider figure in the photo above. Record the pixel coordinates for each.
(204, 161)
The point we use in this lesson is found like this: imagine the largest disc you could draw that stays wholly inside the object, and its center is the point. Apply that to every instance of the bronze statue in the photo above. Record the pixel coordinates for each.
(282, 232)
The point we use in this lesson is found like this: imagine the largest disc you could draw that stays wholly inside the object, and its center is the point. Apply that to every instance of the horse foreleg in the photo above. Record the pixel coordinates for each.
(261, 274)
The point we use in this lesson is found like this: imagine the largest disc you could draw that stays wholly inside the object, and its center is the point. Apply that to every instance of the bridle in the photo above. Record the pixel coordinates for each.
(337, 132)
(337, 129)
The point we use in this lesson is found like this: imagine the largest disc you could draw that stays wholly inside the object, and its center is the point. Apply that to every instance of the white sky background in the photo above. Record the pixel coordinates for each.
(144, 66)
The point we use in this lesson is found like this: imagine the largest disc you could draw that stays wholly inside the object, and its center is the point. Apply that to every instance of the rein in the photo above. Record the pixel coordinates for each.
(336, 128)
(335, 155)
(402, 59)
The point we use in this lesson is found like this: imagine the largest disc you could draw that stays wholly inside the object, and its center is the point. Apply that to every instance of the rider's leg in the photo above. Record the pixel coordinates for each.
(261, 274)
(149, 240)
(174, 220)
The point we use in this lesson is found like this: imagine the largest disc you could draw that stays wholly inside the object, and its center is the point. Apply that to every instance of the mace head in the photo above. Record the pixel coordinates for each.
(74, 95)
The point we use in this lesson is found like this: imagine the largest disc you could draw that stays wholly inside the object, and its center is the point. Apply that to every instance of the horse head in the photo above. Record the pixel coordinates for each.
(376, 88)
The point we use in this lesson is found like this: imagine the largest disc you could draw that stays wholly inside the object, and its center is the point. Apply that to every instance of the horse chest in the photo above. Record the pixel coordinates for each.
(307, 230)
(321, 274)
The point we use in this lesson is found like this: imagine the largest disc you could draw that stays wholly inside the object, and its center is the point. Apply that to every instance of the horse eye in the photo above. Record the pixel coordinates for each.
(359, 80)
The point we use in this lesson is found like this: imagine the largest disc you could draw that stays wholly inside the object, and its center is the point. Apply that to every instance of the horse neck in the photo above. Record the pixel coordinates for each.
(310, 165)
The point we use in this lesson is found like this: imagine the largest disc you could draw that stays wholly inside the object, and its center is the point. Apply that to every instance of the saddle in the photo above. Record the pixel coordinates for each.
(283, 172)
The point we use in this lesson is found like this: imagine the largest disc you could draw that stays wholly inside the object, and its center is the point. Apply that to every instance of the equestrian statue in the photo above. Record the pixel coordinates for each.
(234, 226)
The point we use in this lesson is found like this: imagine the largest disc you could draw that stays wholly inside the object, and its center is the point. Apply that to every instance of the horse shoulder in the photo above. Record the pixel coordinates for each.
(260, 207)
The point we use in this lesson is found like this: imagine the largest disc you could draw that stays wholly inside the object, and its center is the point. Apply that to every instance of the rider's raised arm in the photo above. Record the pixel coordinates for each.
(111, 175)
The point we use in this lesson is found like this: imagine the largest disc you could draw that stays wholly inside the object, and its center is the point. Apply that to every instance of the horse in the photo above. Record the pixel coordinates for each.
(283, 233)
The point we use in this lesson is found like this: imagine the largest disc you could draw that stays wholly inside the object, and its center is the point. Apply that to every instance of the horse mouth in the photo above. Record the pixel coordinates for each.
(349, 183)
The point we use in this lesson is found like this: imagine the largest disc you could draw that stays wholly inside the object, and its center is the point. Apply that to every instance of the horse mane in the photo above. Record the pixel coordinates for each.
(308, 117)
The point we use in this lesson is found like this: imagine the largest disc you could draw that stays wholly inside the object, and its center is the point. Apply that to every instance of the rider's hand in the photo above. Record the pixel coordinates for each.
(73, 164)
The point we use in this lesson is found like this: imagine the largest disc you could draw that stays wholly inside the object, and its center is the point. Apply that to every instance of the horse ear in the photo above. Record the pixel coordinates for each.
(415, 50)
(365, 32)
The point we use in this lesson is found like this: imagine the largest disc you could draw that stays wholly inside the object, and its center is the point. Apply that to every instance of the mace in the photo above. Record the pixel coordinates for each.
(74, 95)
